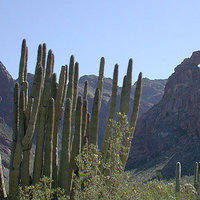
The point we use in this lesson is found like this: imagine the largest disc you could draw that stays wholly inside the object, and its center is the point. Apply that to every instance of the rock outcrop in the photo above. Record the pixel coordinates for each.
(6, 94)
(170, 130)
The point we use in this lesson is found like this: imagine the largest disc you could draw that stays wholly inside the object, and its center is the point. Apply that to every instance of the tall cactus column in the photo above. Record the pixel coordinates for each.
(134, 115)
(25, 115)
(41, 122)
(107, 134)
(3, 194)
(64, 170)
(178, 176)
(58, 115)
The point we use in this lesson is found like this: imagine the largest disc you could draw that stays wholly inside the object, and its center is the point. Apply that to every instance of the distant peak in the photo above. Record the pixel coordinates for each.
(194, 60)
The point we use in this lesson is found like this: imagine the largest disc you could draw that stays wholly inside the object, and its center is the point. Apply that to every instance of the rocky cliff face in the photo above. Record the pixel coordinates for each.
(6, 94)
(170, 130)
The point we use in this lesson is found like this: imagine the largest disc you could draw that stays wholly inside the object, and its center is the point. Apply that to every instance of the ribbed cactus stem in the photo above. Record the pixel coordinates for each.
(85, 92)
(84, 117)
(53, 86)
(21, 116)
(58, 115)
(100, 79)
(38, 163)
(15, 123)
(49, 68)
(196, 175)
(88, 125)
(94, 126)
(26, 62)
(32, 122)
(15, 171)
(136, 104)
(47, 170)
(25, 89)
(39, 57)
(107, 134)
(44, 52)
(76, 147)
(178, 176)
(75, 90)
(22, 64)
(64, 170)
(126, 90)
(25, 178)
(70, 87)
(123, 103)
(65, 87)
(3, 194)
(134, 115)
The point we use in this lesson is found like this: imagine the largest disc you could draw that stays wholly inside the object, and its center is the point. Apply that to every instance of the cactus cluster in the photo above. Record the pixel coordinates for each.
(40, 113)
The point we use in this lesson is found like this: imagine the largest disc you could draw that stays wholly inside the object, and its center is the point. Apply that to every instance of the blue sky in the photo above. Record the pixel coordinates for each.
(157, 34)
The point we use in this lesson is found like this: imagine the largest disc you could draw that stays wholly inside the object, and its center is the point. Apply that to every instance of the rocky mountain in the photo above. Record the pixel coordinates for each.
(6, 94)
(170, 130)
(152, 93)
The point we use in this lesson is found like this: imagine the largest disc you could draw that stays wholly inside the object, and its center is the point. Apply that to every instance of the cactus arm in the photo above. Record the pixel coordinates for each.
(178, 176)
(100, 79)
(85, 90)
(31, 126)
(44, 51)
(134, 115)
(105, 144)
(84, 118)
(126, 90)
(94, 125)
(47, 170)
(58, 115)
(64, 170)
(22, 62)
(25, 89)
(76, 147)
(75, 91)
(53, 86)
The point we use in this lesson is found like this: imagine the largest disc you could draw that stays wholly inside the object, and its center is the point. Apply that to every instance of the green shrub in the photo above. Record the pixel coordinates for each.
(41, 191)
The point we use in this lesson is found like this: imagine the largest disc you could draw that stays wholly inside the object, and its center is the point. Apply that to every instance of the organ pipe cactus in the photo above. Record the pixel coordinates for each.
(38, 162)
(24, 137)
(196, 176)
(42, 111)
(178, 176)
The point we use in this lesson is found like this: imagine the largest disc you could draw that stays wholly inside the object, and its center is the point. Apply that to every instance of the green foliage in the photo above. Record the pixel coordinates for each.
(41, 191)
(110, 183)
